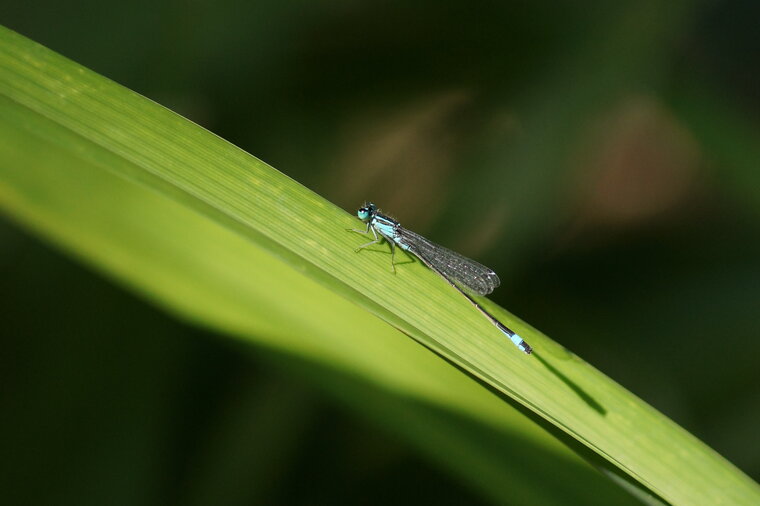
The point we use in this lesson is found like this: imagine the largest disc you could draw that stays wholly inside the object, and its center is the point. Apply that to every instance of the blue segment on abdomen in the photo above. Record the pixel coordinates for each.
(517, 340)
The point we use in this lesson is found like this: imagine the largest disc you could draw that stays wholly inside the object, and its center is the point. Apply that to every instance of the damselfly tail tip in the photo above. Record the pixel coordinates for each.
(525, 347)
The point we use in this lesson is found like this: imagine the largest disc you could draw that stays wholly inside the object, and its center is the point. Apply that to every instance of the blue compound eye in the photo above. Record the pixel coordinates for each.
(363, 214)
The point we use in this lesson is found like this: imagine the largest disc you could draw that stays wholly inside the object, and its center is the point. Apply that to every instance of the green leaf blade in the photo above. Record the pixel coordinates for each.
(221, 238)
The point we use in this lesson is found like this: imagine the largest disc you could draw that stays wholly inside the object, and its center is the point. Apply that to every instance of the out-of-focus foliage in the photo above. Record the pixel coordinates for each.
(602, 159)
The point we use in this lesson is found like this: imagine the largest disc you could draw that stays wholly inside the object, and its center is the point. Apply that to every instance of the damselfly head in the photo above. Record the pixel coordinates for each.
(366, 211)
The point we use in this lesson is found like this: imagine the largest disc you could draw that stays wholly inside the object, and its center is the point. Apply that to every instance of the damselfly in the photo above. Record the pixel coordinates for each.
(463, 274)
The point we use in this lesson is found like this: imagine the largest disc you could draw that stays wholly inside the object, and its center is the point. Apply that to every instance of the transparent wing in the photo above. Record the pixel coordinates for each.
(467, 273)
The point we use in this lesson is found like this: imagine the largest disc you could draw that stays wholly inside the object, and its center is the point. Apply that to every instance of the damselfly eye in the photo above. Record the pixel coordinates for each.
(363, 213)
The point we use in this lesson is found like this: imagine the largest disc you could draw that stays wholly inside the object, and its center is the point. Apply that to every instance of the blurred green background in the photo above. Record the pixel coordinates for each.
(602, 158)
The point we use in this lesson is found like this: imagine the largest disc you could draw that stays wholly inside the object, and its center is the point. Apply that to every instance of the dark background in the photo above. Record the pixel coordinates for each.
(602, 157)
